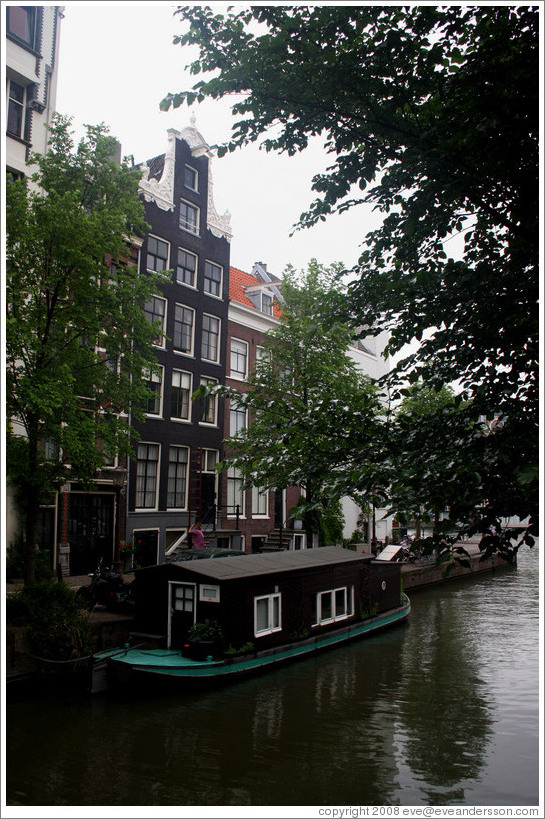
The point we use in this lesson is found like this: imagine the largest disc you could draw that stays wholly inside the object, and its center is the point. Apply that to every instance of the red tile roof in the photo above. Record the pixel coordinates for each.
(238, 280)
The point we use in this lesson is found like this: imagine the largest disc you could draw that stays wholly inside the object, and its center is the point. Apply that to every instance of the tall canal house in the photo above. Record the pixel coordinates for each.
(173, 481)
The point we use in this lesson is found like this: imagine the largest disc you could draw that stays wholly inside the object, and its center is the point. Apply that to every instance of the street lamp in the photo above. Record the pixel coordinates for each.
(119, 478)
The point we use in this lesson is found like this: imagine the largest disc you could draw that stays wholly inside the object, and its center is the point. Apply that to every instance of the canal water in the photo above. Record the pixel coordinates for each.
(443, 710)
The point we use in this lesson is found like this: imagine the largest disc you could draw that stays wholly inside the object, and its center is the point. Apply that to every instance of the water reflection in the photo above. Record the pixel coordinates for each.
(417, 715)
(442, 708)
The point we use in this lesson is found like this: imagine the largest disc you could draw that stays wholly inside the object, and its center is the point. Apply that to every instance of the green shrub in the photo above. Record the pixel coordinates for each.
(58, 628)
(15, 562)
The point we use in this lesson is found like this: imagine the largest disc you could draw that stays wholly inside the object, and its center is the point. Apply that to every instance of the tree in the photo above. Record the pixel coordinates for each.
(314, 419)
(431, 116)
(77, 341)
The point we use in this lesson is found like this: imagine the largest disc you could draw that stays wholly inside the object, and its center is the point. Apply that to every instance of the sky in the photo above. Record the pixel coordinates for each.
(116, 63)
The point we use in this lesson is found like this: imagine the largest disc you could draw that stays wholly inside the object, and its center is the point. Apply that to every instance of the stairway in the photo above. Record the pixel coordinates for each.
(276, 541)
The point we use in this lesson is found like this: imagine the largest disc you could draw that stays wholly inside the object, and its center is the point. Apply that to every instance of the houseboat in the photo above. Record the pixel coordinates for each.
(221, 619)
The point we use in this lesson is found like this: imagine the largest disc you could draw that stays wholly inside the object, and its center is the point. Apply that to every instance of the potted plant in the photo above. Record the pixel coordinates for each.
(204, 639)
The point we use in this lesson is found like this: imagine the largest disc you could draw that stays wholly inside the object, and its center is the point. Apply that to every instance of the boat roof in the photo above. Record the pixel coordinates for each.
(264, 563)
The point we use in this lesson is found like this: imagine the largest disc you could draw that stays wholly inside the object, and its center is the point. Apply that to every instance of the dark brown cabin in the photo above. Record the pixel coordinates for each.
(267, 599)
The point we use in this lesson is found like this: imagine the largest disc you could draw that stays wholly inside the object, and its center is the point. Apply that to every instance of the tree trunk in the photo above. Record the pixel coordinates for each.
(31, 507)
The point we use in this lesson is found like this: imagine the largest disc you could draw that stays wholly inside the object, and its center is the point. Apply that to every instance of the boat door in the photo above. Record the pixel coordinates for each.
(182, 602)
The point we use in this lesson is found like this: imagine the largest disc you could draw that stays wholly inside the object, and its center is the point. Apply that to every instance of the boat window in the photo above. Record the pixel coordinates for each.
(332, 605)
(209, 593)
(267, 614)
(183, 598)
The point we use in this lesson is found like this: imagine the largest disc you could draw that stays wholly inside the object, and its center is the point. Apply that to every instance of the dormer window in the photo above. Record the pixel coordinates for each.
(267, 303)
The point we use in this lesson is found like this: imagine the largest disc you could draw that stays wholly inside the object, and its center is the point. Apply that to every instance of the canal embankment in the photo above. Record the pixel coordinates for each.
(430, 573)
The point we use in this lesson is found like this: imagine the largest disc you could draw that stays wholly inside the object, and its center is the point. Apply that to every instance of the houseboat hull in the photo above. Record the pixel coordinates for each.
(137, 664)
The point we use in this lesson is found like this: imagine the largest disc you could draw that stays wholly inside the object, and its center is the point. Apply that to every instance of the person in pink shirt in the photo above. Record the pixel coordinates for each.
(197, 537)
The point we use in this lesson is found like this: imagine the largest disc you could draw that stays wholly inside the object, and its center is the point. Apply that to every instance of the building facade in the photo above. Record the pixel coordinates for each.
(262, 518)
(172, 482)
(31, 55)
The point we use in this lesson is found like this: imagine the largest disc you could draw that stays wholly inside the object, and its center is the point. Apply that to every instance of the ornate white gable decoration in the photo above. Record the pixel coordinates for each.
(161, 191)
(220, 226)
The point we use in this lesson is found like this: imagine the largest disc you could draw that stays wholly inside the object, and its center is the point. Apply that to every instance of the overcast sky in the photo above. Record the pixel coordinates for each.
(117, 62)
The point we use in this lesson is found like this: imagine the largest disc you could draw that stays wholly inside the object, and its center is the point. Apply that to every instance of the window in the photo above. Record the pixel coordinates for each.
(210, 460)
(267, 614)
(184, 319)
(21, 23)
(157, 256)
(210, 343)
(189, 217)
(178, 460)
(16, 109)
(260, 502)
(235, 492)
(155, 311)
(147, 472)
(209, 594)
(237, 419)
(209, 405)
(184, 597)
(155, 383)
(212, 278)
(186, 268)
(262, 356)
(333, 605)
(239, 358)
(180, 406)
(298, 542)
(191, 178)
(267, 303)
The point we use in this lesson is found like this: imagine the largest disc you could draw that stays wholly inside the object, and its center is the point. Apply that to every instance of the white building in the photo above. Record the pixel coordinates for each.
(31, 65)
(31, 49)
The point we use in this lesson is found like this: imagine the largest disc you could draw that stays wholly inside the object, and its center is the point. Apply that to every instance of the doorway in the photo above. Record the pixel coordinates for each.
(91, 531)
(181, 612)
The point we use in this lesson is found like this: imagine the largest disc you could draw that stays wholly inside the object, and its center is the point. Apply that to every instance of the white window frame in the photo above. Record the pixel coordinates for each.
(236, 495)
(166, 262)
(237, 373)
(260, 502)
(238, 419)
(195, 189)
(298, 537)
(186, 479)
(182, 373)
(218, 337)
(155, 378)
(269, 310)
(207, 279)
(334, 617)
(160, 340)
(209, 593)
(157, 475)
(209, 381)
(193, 284)
(177, 350)
(190, 227)
(274, 606)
